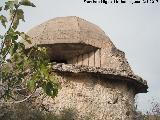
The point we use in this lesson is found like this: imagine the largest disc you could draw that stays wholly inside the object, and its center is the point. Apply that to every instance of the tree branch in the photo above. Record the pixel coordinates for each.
(20, 101)
(10, 26)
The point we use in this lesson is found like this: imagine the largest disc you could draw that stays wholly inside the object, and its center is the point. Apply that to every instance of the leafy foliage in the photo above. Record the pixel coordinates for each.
(25, 70)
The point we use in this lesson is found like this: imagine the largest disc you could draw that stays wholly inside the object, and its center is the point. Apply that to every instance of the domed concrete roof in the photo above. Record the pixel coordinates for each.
(68, 30)
(73, 39)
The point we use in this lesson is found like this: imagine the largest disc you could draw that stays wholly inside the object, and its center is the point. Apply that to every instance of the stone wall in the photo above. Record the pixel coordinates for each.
(93, 97)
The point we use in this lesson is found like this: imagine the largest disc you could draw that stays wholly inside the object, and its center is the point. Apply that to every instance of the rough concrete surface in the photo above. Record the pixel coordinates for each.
(93, 98)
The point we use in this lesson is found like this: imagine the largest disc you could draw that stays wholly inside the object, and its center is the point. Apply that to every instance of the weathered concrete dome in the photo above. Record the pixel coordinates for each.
(93, 71)
(68, 30)
(69, 36)
(78, 42)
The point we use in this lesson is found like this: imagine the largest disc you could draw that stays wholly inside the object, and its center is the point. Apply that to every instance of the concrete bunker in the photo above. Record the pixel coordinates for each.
(74, 53)
(96, 79)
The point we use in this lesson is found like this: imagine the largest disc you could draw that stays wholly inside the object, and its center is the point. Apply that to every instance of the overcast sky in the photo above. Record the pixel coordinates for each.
(133, 28)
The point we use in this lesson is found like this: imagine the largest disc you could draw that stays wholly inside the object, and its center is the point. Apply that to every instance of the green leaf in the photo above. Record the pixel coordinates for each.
(14, 48)
(15, 37)
(16, 4)
(19, 16)
(9, 5)
(50, 89)
(15, 57)
(44, 70)
(12, 35)
(27, 3)
(53, 78)
(4, 51)
(3, 20)
(31, 84)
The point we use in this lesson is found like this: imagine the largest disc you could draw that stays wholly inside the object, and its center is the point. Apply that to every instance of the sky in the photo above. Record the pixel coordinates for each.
(133, 28)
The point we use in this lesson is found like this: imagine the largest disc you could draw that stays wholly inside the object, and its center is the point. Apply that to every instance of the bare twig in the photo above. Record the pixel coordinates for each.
(20, 101)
